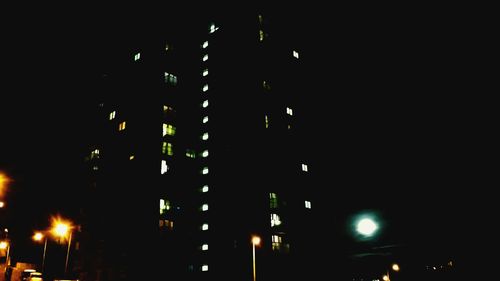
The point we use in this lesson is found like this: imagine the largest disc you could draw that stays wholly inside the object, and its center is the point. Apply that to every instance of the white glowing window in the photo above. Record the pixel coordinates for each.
(204, 136)
(94, 154)
(204, 247)
(95, 168)
(261, 35)
(205, 57)
(304, 167)
(213, 28)
(289, 111)
(204, 207)
(205, 88)
(275, 220)
(205, 119)
(122, 126)
(164, 206)
(205, 72)
(205, 44)
(204, 153)
(137, 56)
(131, 157)
(204, 267)
(308, 204)
(276, 242)
(164, 167)
(170, 78)
(204, 188)
(205, 103)
(295, 54)
(204, 226)
(205, 170)
(267, 121)
(112, 115)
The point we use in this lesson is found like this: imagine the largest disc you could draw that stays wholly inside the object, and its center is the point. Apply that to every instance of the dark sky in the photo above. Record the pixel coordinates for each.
(387, 119)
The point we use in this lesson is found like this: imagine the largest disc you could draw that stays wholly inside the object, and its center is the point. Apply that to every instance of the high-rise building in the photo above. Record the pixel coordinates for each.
(206, 123)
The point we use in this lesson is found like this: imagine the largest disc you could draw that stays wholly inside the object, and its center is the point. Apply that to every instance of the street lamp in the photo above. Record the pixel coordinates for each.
(255, 241)
(62, 229)
(387, 276)
(38, 236)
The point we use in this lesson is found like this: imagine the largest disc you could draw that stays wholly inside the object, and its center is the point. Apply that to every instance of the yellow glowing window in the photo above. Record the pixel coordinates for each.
(164, 206)
(122, 126)
(131, 157)
(266, 119)
(261, 35)
(168, 130)
(166, 148)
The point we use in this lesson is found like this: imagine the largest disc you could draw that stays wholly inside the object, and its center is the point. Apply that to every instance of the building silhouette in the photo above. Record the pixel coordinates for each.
(199, 142)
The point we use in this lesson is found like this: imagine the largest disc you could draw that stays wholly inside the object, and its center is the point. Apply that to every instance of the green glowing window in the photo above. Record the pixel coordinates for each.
(168, 130)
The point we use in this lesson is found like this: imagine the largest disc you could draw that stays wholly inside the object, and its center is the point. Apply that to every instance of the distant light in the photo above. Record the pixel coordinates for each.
(131, 157)
(205, 88)
(395, 267)
(137, 56)
(205, 170)
(205, 57)
(366, 227)
(385, 278)
(204, 207)
(204, 226)
(205, 72)
(256, 240)
(38, 236)
(204, 153)
(164, 167)
(204, 136)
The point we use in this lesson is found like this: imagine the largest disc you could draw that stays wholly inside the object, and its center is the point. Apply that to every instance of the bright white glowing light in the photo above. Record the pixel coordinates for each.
(366, 227)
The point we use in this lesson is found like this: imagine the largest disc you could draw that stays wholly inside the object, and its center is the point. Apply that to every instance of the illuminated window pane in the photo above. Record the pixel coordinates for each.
(276, 242)
(205, 88)
(308, 204)
(131, 157)
(261, 35)
(304, 167)
(168, 130)
(205, 119)
(204, 136)
(266, 119)
(295, 54)
(204, 207)
(122, 126)
(275, 220)
(205, 44)
(204, 153)
(204, 247)
(205, 57)
(204, 267)
(170, 79)
(167, 109)
(95, 168)
(205, 170)
(137, 56)
(166, 148)
(190, 153)
(94, 154)
(205, 72)
(164, 206)
(164, 167)
(205, 103)
(213, 28)
(167, 46)
(289, 111)
(204, 188)
(204, 226)
(273, 201)
(266, 85)
(112, 115)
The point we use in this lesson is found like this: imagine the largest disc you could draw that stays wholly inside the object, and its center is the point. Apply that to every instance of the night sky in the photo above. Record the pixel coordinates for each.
(389, 129)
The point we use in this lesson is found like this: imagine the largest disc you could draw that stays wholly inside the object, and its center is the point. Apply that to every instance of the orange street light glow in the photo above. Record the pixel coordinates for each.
(256, 240)
(3, 245)
(38, 236)
(60, 227)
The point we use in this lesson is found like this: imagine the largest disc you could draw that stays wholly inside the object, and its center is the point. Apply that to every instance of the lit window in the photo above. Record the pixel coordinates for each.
(168, 224)
(295, 54)
(205, 72)
(121, 126)
(95, 168)
(205, 88)
(168, 130)
(213, 28)
(112, 115)
(164, 167)
(275, 220)
(304, 167)
(204, 267)
(205, 119)
(204, 207)
(167, 109)
(131, 157)
(261, 35)
(260, 19)
(205, 170)
(204, 226)
(273, 201)
(204, 188)
(205, 103)
(94, 154)
(164, 206)
(308, 204)
(205, 57)
(190, 153)
(204, 136)
(204, 153)
(276, 242)
(204, 247)
(170, 78)
(167, 46)
(166, 148)
(267, 121)
(266, 85)
(289, 111)
(289, 127)
(205, 44)
(137, 56)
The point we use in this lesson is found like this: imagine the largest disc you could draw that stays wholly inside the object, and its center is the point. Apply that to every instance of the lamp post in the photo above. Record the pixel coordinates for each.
(38, 237)
(62, 229)
(255, 241)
